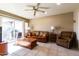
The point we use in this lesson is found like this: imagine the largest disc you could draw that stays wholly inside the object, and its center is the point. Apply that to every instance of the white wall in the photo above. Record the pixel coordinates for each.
(76, 24)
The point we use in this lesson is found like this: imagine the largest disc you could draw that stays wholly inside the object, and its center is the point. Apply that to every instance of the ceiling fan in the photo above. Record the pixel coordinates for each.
(36, 8)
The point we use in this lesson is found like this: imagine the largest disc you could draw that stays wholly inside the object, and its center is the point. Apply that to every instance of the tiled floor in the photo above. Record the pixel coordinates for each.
(12, 47)
(46, 49)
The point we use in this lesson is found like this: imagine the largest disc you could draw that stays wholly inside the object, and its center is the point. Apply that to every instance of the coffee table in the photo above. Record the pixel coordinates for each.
(27, 42)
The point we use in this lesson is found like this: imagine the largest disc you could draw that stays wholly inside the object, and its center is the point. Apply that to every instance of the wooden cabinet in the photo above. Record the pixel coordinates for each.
(3, 48)
(52, 37)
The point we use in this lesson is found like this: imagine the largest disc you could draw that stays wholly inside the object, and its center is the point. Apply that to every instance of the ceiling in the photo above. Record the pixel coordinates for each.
(54, 9)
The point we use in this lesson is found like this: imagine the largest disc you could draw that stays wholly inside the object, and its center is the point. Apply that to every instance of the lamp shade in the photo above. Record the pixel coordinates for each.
(52, 27)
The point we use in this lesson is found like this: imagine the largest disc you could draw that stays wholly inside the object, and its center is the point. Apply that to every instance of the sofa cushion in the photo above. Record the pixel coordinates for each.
(37, 33)
(44, 34)
(41, 33)
(29, 34)
(66, 34)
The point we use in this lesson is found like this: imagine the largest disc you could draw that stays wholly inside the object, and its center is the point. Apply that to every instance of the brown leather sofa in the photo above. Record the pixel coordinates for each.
(65, 39)
(41, 36)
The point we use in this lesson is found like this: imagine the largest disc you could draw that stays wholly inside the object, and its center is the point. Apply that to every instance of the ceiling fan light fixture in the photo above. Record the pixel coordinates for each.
(58, 3)
(45, 12)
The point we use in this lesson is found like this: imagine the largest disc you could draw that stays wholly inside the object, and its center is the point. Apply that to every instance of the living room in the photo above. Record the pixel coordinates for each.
(50, 22)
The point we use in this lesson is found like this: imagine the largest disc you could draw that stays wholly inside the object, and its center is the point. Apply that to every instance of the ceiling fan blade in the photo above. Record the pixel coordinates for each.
(30, 6)
(28, 9)
(43, 7)
(41, 11)
(34, 13)
(38, 4)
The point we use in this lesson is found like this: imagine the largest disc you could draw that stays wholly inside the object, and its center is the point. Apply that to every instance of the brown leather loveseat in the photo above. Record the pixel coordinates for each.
(65, 39)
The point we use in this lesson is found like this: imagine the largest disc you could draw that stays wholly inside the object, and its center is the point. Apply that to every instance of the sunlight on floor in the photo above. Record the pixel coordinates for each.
(12, 48)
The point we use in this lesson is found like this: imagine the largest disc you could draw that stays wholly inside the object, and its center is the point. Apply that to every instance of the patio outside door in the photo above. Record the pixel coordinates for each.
(11, 29)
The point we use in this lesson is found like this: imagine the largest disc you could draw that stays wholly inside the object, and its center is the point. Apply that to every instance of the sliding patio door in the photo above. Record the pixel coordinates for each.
(19, 29)
(11, 29)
